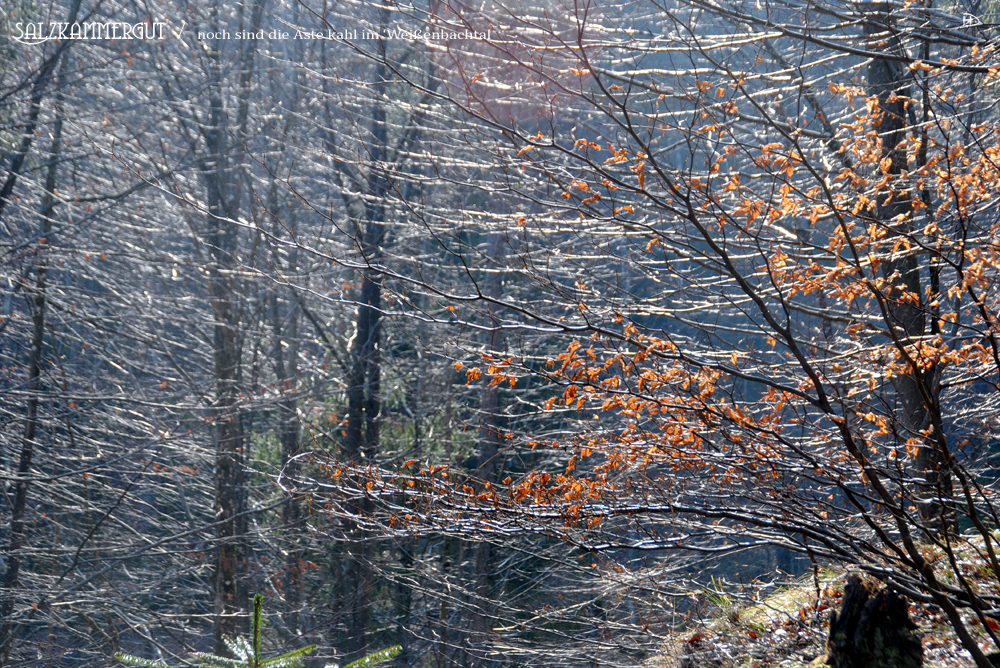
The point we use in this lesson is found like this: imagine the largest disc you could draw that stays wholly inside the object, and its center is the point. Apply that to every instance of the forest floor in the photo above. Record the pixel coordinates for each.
(788, 628)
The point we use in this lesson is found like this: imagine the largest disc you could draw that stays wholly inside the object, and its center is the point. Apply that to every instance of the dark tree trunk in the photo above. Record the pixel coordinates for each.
(227, 420)
(42, 80)
(364, 377)
(38, 304)
(286, 371)
(919, 390)
(489, 447)
(223, 174)
(873, 630)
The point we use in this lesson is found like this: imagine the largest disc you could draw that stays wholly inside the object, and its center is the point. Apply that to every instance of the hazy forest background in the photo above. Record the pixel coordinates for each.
(502, 347)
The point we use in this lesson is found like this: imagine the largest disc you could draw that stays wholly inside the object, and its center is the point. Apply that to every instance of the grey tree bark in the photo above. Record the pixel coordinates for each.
(919, 390)
(34, 386)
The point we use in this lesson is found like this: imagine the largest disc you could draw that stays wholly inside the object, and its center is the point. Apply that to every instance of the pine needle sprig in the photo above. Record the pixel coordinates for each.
(247, 654)
(376, 657)
(130, 660)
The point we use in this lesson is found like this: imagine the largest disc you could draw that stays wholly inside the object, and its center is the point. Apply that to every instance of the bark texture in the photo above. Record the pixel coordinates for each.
(918, 392)
(873, 630)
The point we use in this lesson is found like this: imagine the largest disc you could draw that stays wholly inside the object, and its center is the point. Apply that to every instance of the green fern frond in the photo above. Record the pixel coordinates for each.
(376, 657)
(130, 660)
(289, 660)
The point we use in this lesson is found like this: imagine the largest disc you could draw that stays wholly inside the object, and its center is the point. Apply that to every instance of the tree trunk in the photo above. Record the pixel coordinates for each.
(873, 630)
(38, 304)
(489, 446)
(286, 371)
(42, 80)
(919, 390)
(226, 415)
(364, 379)
(223, 195)
(223, 179)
